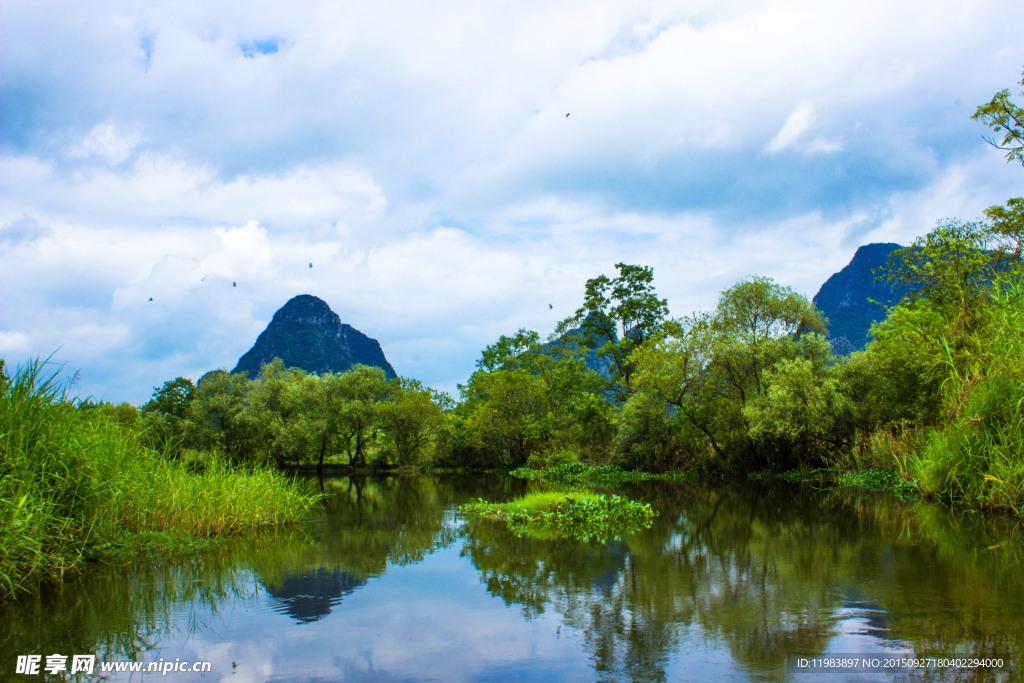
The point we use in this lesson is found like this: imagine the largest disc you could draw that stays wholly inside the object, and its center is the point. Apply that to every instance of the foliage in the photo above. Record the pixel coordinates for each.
(74, 484)
(977, 457)
(577, 515)
(881, 480)
(1003, 116)
(578, 473)
(409, 419)
(617, 316)
(528, 400)
(1006, 232)
(946, 270)
(744, 387)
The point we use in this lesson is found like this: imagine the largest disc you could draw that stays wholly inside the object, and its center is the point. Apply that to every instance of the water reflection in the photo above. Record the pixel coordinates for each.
(389, 582)
(310, 597)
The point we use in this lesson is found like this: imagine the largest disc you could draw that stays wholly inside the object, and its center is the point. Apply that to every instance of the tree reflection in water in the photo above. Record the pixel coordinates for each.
(770, 571)
(758, 572)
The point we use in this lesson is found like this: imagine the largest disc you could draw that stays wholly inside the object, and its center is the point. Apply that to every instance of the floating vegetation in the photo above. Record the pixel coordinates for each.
(881, 480)
(579, 515)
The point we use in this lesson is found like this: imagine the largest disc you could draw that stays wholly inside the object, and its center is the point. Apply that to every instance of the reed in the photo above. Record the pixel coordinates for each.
(977, 459)
(75, 486)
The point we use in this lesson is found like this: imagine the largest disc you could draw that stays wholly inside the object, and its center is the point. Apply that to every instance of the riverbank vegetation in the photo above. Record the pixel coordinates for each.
(621, 391)
(75, 486)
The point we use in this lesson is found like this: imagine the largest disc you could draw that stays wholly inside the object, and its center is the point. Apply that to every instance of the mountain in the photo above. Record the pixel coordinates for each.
(845, 298)
(305, 333)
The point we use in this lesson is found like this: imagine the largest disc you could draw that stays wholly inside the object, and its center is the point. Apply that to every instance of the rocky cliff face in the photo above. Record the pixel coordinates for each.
(305, 333)
(846, 297)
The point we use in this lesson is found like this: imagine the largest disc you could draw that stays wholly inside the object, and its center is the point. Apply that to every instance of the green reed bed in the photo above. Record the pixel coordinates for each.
(73, 486)
(977, 459)
(579, 515)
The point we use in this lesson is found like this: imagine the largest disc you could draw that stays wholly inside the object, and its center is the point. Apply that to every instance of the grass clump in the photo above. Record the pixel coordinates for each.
(75, 486)
(977, 458)
(579, 515)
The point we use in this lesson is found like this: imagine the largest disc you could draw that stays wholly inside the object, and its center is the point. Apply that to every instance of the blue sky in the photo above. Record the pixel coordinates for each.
(420, 156)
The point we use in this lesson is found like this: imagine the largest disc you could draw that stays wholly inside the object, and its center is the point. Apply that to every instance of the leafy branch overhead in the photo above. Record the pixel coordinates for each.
(1003, 116)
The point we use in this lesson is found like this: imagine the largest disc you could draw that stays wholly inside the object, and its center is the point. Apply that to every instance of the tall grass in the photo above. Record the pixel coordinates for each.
(73, 485)
(977, 458)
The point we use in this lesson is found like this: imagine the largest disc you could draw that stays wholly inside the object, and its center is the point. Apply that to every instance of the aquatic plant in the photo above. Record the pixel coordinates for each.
(579, 515)
(881, 480)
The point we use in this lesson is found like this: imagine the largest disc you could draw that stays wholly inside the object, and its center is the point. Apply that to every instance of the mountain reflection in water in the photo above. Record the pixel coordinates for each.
(390, 582)
(309, 597)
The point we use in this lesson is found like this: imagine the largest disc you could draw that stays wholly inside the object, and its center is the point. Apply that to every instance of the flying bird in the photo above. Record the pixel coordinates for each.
(567, 115)
(150, 298)
(234, 284)
(310, 265)
(550, 306)
(204, 278)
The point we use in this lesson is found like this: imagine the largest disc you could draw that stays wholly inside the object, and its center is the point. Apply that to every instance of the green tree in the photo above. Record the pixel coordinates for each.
(215, 417)
(360, 392)
(739, 384)
(506, 415)
(617, 316)
(1006, 231)
(409, 418)
(948, 270)
(172, 399)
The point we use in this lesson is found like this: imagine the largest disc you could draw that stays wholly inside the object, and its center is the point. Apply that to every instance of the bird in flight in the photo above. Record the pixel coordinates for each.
(310, 265)
(234, 284)
(550, 306)
(567, 115)
(204, 278)
(150, 298)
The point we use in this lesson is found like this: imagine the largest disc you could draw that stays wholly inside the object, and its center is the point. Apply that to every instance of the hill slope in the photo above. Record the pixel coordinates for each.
(305, 333)
(846, 297)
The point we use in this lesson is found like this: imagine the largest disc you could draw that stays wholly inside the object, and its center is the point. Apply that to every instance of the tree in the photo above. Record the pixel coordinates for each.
(215, 416)
(506, 414)
(617, 316)
(360, 391)
(409, 417)
(1003, 116)
(172, 399)
(948, 269)
(1006, 230)
(723, 377)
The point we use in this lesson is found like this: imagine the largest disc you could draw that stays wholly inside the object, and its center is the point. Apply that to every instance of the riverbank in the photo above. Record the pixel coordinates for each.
(75, 487)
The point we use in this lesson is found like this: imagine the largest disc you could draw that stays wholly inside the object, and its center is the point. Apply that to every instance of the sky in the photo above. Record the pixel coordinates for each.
(456, 171)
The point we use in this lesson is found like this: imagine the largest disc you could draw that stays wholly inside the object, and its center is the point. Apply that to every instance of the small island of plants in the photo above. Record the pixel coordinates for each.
(580, 515)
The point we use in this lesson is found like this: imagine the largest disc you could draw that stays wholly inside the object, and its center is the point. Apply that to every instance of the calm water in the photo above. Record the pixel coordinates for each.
(389, 583)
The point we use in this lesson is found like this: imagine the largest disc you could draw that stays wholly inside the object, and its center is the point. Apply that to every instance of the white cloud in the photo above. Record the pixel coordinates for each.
(107, 142)
(14, 343)
(798, 122)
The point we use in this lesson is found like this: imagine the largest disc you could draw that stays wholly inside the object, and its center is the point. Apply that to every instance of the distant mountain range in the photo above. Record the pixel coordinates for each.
(847, 298)
(305, 333)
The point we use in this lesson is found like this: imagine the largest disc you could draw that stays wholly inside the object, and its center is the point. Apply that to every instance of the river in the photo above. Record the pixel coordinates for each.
(389, 582)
